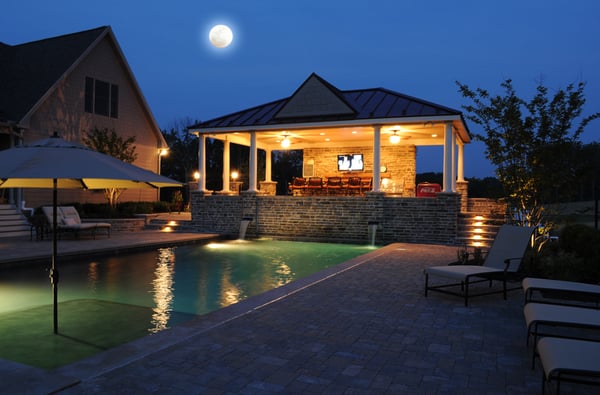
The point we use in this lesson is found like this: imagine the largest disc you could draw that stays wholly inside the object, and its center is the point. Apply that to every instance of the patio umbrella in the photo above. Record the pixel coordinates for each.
(57, 163)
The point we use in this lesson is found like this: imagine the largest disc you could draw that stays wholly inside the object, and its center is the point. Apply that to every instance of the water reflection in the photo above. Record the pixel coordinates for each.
(162, 289)
(93, 277)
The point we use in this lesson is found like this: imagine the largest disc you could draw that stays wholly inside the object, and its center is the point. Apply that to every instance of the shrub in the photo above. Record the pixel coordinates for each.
(575, 257)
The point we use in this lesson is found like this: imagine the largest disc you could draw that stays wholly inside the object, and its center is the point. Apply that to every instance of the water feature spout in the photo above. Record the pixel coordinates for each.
(244, 227)
(372, 230)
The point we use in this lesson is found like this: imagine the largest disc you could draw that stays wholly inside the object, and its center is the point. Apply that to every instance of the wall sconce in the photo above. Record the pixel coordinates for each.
(163, 151)
(394, 138)
(285, 143)
(234, 175)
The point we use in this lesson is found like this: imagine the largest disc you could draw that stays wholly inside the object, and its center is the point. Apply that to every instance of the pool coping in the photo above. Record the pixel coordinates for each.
(49, 381)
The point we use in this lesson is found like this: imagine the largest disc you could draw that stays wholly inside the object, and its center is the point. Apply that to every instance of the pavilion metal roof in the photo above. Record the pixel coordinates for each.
(368, 104)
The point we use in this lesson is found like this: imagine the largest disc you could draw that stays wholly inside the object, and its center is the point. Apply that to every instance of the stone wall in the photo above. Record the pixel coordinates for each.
(399, 162)
(331, 218)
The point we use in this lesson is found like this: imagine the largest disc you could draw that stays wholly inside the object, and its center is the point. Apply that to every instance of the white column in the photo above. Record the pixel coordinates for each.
(448, 157)
(461, 162)
(268, 165)
(202, 163)
(226, 165)
(253, 163)
(376, 158)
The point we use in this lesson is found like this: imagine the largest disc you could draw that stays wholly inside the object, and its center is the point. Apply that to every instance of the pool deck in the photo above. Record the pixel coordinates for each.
(362, 327)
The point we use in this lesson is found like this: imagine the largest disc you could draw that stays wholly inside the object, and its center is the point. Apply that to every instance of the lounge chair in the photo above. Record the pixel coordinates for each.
(569, 360)
(501, 264)
(68, 220)
(560, 292)
(560, 321)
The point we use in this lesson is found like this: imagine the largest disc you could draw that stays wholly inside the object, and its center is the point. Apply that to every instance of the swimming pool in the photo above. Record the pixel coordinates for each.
(177, 281)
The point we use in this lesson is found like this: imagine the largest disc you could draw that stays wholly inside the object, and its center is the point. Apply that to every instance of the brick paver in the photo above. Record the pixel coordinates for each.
(365, 330)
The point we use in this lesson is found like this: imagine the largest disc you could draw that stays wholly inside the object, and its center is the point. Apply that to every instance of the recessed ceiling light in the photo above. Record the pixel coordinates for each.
(354, 132)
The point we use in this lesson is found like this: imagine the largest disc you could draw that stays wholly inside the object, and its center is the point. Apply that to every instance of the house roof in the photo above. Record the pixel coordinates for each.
(30, 72)
(317, 105)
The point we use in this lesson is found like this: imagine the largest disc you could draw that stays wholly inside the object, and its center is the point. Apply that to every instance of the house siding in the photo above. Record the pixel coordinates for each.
(63, 111)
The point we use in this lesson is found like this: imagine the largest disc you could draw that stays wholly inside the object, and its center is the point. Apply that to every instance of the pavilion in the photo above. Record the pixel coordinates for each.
(384, 126)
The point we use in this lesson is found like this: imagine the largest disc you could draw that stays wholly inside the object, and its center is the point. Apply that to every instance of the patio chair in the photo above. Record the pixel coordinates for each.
(501, 264)
(298, 184)
(334, 185)
(354, 185)
(315, 184)
(568, 293)
(569, 360)
(560, 321)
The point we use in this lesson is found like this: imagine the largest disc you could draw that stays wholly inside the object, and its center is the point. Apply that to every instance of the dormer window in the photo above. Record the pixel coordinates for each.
(101, 98)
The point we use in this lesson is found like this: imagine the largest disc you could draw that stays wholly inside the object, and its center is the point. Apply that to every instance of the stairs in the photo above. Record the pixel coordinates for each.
(12, 222)
(478, 229)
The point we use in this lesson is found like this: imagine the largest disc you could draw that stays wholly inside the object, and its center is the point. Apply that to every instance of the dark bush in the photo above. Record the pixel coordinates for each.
(575, 257)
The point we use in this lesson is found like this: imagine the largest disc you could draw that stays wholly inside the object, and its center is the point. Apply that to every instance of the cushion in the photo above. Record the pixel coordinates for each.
(69, 221)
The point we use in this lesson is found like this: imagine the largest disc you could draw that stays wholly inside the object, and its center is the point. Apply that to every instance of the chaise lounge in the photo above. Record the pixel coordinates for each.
(68, 220)
(569, 360)
(560, 292)
(502, 261)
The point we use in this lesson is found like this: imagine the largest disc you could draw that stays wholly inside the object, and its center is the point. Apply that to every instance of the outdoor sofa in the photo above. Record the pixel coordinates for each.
(68, 220)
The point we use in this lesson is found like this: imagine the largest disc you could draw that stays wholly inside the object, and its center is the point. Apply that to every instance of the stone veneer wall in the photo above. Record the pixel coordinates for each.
(399, 160)
(331, 218)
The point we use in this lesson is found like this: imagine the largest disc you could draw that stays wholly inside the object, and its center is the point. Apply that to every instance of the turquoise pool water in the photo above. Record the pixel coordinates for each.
(183, 280)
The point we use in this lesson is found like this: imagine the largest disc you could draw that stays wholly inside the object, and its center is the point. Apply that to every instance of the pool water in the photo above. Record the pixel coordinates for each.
(176, 281)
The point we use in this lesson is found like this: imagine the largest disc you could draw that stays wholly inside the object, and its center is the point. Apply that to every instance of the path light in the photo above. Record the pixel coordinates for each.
(234, 175)
(196, 175)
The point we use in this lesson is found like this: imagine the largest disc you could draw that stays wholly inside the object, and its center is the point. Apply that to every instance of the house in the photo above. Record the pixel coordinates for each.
(381, 129)
(71, 84)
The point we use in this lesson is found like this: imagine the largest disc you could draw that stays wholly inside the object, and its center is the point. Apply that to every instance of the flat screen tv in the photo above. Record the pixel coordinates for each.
(351, 162)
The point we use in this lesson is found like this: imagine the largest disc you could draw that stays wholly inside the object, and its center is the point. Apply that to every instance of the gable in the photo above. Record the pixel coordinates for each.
(315, 98)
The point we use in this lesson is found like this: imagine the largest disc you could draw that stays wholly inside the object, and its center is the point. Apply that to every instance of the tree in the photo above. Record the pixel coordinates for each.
(182, 159)
(533, 144)
(108, 142)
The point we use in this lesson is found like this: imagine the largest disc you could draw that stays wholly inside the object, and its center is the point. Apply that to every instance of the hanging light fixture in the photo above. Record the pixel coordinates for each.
(394, 138)
(285, 143)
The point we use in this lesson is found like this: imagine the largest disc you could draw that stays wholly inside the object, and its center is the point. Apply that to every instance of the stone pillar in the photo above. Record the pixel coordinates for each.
(462, 188)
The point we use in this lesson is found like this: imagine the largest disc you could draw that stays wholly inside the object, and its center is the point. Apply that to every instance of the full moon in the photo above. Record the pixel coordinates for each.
(220, 36)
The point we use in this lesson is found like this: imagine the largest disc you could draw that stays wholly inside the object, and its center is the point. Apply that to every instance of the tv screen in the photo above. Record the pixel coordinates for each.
(350, 162)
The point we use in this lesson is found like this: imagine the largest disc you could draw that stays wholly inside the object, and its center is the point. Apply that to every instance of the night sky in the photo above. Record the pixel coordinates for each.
(419, 48)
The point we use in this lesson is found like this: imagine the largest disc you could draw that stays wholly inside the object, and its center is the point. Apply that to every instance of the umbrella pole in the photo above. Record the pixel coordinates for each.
(53, 269)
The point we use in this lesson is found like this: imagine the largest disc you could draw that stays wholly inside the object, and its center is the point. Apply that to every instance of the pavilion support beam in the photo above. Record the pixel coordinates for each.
(376, 158)
(461, 162)
(268, 165)
(226, 165)
(449, 147)
(202, 163)
(253, 163)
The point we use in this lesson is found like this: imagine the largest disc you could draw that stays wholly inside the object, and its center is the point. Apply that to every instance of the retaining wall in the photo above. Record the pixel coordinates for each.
(331, 218)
